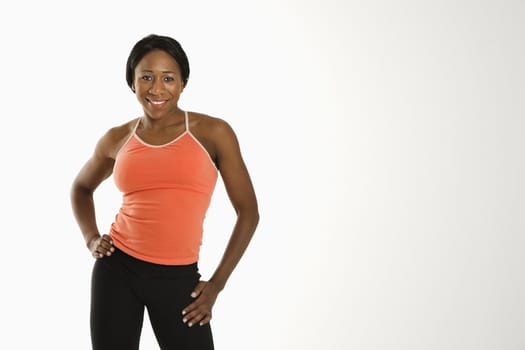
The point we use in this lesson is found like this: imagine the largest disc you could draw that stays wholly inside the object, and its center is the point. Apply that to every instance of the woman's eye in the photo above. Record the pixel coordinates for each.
(146, 77)
(169, 79)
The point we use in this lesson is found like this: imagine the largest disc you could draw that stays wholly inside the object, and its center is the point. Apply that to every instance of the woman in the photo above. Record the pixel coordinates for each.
(166, 164)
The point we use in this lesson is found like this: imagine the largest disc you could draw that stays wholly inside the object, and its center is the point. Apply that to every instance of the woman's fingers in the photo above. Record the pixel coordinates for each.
(199, 312)
(103, 246)
(198, 289)
(197, 316)
(205, 320)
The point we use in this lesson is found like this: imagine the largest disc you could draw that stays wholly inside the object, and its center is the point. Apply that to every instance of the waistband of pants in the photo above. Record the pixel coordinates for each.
(141, 267)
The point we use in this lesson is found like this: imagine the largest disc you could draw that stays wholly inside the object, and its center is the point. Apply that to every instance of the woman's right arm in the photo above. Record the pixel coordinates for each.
(98, 168)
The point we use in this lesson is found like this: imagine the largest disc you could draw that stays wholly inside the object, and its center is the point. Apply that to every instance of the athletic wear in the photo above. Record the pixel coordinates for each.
(123, 285)
(166, 193)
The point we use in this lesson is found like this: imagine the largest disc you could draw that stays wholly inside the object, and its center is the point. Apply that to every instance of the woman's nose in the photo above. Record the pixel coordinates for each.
(155, 87)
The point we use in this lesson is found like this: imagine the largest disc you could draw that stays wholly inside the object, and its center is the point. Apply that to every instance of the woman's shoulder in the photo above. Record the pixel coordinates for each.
(214, 133)
(115, 137)
(122, 129)
(205, 123)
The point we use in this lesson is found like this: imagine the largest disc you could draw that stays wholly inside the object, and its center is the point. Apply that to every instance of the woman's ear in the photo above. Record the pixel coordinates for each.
(133, 87)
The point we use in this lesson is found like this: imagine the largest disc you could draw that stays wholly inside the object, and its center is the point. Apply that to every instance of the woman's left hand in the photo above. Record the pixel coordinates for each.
(199, 311)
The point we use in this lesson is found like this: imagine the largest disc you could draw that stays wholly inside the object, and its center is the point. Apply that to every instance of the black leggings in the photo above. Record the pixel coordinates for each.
(122, 286)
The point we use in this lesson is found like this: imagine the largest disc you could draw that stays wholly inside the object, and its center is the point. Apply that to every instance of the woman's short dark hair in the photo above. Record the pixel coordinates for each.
(153, 42)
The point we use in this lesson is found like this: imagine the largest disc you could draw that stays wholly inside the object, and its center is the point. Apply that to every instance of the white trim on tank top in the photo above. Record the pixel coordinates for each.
(186, 131)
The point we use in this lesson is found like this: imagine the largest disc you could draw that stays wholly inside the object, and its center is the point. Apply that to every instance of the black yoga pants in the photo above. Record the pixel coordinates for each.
(122, 287)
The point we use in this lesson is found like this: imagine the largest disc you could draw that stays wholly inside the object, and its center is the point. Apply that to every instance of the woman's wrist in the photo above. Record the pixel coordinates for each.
(91, 238)
(217, 284)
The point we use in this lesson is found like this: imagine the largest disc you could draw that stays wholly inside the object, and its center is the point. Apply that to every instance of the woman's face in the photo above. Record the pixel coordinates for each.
(158, 84)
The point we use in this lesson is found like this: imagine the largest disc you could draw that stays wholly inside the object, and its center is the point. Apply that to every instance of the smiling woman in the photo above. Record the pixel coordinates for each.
(158, 83)
(166, 165)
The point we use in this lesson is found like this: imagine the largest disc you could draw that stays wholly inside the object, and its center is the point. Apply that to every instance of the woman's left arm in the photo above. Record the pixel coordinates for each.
(242, 196)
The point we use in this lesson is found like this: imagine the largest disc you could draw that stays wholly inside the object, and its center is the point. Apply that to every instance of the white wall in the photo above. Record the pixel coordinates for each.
(384, 138)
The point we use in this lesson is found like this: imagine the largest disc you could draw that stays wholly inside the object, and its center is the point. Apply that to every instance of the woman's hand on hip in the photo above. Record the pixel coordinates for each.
(101, 246)
(205, 294)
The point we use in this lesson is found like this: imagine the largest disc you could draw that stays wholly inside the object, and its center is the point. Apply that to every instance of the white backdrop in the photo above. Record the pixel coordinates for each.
(384, 138)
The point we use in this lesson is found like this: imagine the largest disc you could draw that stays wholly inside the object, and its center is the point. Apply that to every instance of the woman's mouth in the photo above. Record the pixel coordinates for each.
(157, 103)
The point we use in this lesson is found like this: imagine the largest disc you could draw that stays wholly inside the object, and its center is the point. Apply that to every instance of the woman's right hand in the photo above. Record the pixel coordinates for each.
(101, 246)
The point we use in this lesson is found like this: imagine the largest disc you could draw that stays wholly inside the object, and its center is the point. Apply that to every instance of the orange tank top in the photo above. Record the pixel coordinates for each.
(166, 192)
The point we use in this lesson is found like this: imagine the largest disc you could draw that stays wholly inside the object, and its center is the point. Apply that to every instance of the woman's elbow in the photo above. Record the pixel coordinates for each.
(249, 214)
